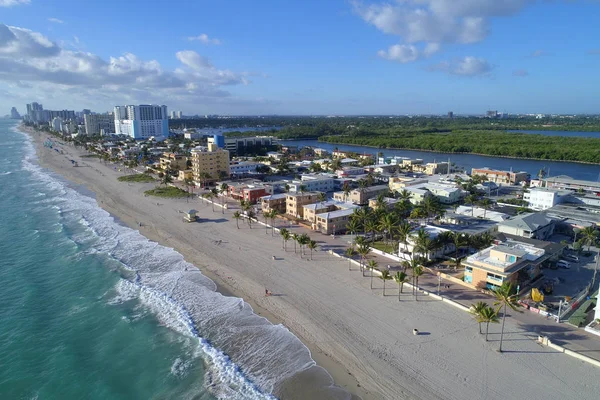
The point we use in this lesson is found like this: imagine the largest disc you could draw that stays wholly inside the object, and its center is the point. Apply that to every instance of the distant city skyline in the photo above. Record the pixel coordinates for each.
(310, 58)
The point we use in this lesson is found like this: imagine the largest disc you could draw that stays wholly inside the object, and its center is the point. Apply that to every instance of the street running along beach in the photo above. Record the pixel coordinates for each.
(364, 339)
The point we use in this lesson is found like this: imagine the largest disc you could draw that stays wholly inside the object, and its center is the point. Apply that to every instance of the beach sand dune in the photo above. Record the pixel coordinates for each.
(362, 338)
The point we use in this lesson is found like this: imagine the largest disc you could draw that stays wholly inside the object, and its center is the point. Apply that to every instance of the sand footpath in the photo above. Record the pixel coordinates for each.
(362, 338)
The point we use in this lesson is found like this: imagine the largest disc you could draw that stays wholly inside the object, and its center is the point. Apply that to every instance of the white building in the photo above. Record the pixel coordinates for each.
(544, 198)
(96, 123)
(56, 124)
(141, 122)
(409, 250)
(313, 184)
(531, 225)
(243, 167)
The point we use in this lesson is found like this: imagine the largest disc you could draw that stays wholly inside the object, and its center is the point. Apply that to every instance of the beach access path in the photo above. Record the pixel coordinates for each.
(335, 312)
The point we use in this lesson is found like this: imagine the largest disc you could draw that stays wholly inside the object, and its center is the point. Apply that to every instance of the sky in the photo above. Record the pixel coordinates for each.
(310, 57)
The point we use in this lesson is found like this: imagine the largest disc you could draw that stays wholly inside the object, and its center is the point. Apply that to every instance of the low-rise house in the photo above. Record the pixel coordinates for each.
(312, 210)
(274, 202)
(397, 183)
(544, 198)
(410, 163)
(478, 212)
(501, 177)
(320, 152)
(389, 201)
(433, 168)
(349, 171)
(313, 183)
(251, 193)
(409, 250)
(243, 167)
(531, 225)
(333, 222)
(361, 196)
(417, 194)
(185, 174)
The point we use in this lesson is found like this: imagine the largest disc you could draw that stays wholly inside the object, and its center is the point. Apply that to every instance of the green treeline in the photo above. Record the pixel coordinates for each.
(488, 142)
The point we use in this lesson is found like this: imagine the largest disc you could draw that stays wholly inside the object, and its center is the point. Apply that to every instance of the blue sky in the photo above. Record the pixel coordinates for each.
(309, 57)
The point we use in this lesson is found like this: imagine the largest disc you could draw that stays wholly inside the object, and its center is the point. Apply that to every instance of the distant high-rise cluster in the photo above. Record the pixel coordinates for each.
(176, 115)
(142, 121)
(14, 114)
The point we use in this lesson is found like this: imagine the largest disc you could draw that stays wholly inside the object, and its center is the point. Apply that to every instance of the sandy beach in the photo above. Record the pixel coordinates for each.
(363, 339)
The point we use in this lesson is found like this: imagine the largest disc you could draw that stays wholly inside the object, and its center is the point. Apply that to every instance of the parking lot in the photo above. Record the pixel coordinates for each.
(567, 283)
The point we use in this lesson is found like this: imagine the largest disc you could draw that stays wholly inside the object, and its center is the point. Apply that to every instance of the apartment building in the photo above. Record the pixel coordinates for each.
(507, 262)
(209, 163)
(274, 202)
(313, 183)
(544, 198)
(96, 124)
(141, 122)
(397, 183)
(333, 222)
(362, 196)
(501, 177)
(173, 161)
(296, 201)
(237, 145)
(312, 210)
(432, 168)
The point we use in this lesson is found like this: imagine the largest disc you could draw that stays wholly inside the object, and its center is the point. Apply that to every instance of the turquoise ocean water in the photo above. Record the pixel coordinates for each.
(90, 309)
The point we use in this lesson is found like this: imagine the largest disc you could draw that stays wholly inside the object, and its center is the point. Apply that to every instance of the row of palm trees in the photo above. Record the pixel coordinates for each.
(484, 314)
(302, 240)
(361, 247)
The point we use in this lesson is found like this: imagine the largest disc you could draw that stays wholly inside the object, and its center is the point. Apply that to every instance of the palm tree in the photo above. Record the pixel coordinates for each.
(346, 189)
(370, 226)
(295, 238)
(487, 315)
(385, 276)
(266, 217)
(401, 278)
(285, 236)
(224, 190)
(204, 177)
(388, 224)
(459, 240)
(485, 203)
(273, 214)
(417, 272)
(403, 231)
(312, 245)
(372, 266)
(349, 253)
(237, 215)
(302, 188)
(166, 179)
(250, 215)
(363, 251)
(302, 241)
(476, 310)
(322, 197)
(589, 236)
(505, 298)
(353, 226)
(470, 200)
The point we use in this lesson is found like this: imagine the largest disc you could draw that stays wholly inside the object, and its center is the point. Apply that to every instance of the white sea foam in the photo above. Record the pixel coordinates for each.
(183, 299)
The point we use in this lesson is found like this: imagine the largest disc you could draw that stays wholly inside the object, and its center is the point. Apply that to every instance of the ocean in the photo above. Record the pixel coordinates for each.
(91, 309)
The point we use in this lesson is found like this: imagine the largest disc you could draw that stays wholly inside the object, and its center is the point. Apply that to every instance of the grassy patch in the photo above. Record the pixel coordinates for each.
(136, 178)
(388, 248)
(168, 191)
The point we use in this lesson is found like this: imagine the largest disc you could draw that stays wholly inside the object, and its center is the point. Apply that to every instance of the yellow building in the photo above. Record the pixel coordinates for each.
(210, 163)
(173, 161)
(185, 174)
(397, 183)
(295, 201)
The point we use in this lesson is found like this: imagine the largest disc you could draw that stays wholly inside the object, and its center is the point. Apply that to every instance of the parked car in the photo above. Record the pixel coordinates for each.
(572, 257)
(563, 264)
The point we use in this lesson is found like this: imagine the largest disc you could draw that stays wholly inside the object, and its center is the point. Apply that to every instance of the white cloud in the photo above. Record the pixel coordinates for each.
(436, 22)
(56, 20)
(467, 66)
(10, 3)
(520, 72)
(402, 53)
(538, 53)
(29, 58)
(205, 39)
